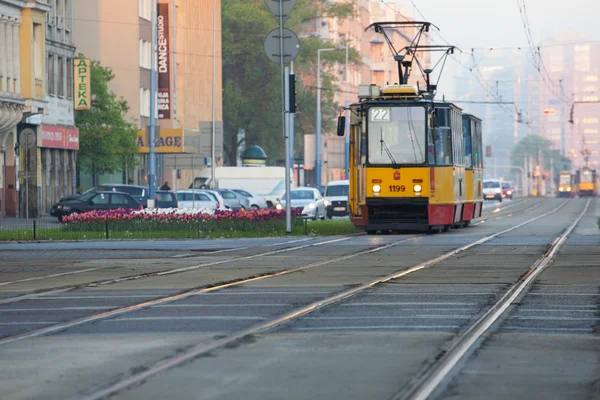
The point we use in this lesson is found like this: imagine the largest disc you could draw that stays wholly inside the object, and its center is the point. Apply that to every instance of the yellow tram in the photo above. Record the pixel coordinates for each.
(565, 185)
(586, 180)
(412, 165)
(408, 162)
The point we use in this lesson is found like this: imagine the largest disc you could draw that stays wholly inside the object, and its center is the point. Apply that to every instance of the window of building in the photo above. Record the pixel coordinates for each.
(591, 78)
(590, 131)
(145, 9)
(590, 120)
(70, 79)
(590, 98)
(582, 48)
(591, 142)
(144, 102)
(51, 75)
(38, 54)
(61, 76)
(378, 78)
(144, 54)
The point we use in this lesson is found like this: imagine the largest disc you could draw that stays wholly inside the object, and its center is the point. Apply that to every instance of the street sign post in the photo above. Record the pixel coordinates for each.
(280, 9)
(291, 45)
(282, 46)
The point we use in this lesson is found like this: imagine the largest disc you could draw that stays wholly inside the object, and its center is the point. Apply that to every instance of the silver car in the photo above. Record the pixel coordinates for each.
(196, 199)
(233, 200)
(255, 201)
(307, 198)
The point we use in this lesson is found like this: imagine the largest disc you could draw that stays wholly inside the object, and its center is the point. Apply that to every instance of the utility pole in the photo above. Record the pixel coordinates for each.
(347, 127)
(562, 119)
(214, 102)
(152, 139)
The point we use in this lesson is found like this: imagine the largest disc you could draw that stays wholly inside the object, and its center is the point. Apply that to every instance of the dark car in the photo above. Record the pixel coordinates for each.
(165, 199)
(140, 193)
(106, 200)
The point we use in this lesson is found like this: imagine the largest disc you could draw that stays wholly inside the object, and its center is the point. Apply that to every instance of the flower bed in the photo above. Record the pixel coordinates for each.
(194, 221)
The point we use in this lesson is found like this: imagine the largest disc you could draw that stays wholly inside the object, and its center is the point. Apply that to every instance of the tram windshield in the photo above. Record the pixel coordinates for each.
(396, 135)
(586, 176)
(565, 180)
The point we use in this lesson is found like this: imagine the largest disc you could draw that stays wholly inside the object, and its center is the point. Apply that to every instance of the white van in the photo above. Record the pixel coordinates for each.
(492, 189)
(336, 198)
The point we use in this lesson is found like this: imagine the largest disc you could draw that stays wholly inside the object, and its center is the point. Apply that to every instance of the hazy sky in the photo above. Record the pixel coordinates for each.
(489, 23)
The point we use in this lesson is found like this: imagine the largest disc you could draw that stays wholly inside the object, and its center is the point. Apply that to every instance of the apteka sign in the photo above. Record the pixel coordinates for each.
(83, 86)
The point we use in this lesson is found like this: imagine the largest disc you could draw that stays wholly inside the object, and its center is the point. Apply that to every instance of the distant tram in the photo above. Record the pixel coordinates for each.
(586, 180)
(565, 185)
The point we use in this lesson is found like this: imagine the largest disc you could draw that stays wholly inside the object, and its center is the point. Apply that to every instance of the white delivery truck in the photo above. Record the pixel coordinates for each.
(268, 182)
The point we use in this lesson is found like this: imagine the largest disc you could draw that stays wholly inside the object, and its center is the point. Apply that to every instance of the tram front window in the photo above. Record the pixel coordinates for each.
(586, 177)
(396, 135)
(565, 180)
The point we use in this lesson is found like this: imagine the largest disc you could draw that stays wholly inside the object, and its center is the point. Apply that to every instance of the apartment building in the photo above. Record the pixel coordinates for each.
(118, 34)
(22, 95)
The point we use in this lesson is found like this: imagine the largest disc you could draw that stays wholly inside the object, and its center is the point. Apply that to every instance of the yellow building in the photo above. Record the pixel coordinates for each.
(22, 95)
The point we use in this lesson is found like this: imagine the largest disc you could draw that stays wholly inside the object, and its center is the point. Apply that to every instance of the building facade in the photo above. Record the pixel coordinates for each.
(570, 114)
(185, 63)
(22, 95)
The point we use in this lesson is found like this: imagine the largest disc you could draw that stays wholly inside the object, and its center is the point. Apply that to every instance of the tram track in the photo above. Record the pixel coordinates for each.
(126, 278)
(429, 380)
(292, 315)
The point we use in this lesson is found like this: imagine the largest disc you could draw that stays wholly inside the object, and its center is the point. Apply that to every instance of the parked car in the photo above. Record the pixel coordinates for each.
(165, 199)
(140, 193)
(106, 200)
(256, 202)
(191, 198)
(233, 200)
(214, 194)
(507, 190)
(307, 198)
(492, 189)
(336, 198)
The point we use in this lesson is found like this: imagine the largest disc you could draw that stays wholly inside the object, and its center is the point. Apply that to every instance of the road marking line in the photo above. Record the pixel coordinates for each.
(402, 303)
(216, 344)
(168, 272)
(219, 305)
(26, 323)
(391, 317)
(181, 318)
(35, 278)
(550, 318)
(54, 309)
(184, 295)
(533, 330)
(399, 327)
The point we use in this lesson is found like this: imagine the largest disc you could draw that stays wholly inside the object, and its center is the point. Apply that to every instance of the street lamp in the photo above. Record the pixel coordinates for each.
(318, 138)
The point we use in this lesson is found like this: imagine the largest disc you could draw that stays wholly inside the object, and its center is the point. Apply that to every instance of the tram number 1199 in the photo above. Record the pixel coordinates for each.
(397, 188)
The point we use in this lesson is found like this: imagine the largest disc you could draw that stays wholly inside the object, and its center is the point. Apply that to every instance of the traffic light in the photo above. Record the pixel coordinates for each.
(292, 93)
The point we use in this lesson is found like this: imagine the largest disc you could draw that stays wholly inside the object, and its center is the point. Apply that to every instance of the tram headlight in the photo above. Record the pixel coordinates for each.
(417, 188)
(568, 189)
(561, 189)
(376, 188)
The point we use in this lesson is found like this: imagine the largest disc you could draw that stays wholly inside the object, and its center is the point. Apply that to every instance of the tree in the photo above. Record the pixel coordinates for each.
(107, 140)
(252, 83)
(535, 146)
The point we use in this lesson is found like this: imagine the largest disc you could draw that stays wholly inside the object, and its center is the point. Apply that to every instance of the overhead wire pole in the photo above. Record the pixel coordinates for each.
(347, 127)
(152, 139)
(288, 206)
(214, 103)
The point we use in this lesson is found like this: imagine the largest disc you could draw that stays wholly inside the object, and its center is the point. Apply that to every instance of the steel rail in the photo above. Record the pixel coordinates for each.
(264, 326)
(162, 273)
(192, 292)
(436, 374)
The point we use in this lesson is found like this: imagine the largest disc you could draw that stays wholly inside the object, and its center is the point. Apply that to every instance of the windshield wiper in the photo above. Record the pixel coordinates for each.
(387, 150)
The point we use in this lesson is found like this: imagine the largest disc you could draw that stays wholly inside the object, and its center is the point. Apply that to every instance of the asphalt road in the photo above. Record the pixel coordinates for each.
(354, 317)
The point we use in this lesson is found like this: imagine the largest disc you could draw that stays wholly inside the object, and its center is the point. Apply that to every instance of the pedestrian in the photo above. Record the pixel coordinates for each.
(165, 186)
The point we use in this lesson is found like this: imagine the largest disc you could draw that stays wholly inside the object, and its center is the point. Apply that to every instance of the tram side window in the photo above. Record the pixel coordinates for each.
(443, 137)
(479, 145)
(467, 142)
